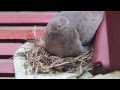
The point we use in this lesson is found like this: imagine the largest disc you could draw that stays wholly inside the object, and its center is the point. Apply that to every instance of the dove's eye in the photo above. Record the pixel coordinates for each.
(59, 25)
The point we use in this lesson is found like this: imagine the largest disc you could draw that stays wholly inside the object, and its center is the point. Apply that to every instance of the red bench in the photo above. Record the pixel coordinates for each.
(11, 37)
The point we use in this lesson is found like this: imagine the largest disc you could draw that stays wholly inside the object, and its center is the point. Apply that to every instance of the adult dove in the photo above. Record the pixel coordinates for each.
(70, 33)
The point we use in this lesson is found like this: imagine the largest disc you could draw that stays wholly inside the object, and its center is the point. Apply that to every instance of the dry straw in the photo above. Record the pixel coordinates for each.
(41, 61)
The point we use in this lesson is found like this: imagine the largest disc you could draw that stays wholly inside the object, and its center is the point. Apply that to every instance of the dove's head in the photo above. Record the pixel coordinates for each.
(58, 24)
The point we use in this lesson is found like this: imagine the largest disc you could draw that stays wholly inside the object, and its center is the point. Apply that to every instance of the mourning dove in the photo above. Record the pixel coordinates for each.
(70, 32)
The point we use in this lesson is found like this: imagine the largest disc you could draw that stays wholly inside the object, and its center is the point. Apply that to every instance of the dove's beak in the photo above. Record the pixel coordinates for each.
(49, 34)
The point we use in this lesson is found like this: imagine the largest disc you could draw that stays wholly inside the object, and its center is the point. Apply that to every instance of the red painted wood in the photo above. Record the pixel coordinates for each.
(101, 49)
(6, 69)
(113, 23)
(20, 34)
(9, 48)
(26, 17)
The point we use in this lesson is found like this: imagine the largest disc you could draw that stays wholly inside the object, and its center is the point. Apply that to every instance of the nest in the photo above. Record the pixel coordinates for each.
(38, 60)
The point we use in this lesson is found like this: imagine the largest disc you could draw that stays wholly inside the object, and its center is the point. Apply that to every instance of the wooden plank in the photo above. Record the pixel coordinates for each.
(26, 17)
(8, 48)
(7, 78)
(21, 27)
(6, 68)
(101, 60)
(20, 33)
(113, 23)
(6, 60)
